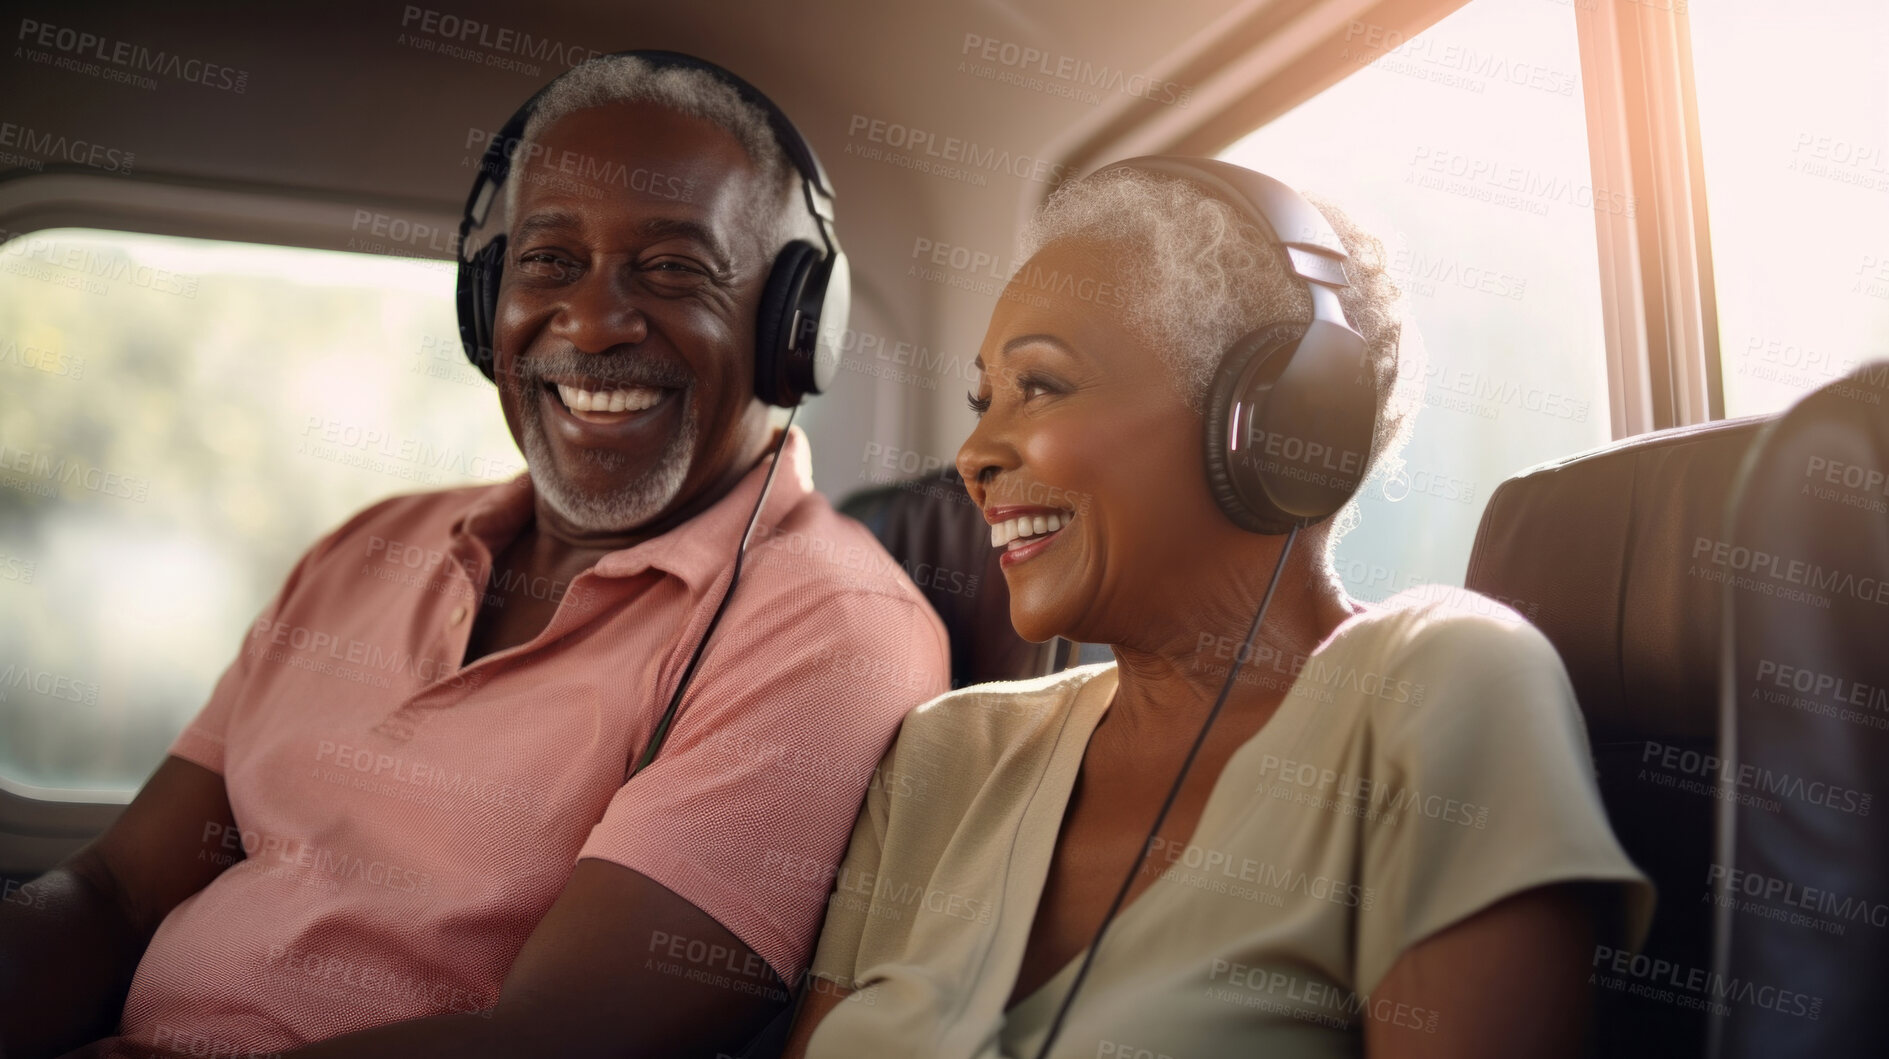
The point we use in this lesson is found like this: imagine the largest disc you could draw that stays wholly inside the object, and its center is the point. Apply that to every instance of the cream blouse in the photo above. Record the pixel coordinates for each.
(1428, 761)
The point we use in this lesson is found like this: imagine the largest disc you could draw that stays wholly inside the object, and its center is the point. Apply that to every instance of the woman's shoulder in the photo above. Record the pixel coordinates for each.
(998, 710)
(951, 749)
(1444, 627)
(1461, 655)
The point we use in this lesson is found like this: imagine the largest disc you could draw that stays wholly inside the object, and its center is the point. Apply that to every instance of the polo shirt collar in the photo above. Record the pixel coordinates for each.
(697, 551)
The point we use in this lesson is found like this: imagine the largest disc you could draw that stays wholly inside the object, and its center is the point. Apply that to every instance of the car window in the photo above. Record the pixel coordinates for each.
(179, 420)
(1464, 148)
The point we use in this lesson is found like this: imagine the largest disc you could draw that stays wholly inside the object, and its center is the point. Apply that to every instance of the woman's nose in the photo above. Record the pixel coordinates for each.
(984, 453)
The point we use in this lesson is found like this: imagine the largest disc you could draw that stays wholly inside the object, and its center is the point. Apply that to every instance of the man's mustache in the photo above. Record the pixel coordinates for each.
(611, 369)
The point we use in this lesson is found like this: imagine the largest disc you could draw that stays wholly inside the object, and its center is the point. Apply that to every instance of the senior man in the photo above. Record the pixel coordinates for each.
(401, 826)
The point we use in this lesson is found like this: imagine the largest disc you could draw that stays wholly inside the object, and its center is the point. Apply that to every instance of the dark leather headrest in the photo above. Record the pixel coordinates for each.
(1809, 537)
(933, 529)
(1598, 551)
(1807, 715)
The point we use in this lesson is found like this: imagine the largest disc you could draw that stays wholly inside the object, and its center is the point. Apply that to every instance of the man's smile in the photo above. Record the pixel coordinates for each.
(593, 412)
(598, 402)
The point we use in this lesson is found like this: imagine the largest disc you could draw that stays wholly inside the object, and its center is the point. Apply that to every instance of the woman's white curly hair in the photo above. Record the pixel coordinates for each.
(1197, 274)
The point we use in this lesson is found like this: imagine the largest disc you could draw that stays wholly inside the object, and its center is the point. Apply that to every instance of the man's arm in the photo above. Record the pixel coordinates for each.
(620, 966)
(71, 939)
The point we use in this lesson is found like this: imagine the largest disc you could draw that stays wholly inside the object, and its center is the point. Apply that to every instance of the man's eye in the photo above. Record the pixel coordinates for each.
(546, 263)
(676, 267)
(674, 276)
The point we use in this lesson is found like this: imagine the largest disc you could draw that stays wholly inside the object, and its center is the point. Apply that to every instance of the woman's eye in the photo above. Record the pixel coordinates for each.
(1032, 386)
(979, 405)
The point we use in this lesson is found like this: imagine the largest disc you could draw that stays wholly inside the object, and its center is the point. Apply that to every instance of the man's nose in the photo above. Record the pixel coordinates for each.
(600, 313)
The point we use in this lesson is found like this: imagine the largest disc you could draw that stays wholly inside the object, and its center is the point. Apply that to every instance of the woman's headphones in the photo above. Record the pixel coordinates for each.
(803, 307)
(1292, 412)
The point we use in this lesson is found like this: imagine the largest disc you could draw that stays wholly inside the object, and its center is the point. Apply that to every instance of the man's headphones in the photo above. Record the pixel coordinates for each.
(803, 307)
(1292, 412)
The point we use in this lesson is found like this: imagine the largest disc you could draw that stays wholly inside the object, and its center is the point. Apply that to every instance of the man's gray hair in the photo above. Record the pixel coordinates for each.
(695, 92)
(1197, 274)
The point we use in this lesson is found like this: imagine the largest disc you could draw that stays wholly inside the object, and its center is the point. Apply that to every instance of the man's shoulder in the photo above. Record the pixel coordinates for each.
(846, 608)
(814, 548)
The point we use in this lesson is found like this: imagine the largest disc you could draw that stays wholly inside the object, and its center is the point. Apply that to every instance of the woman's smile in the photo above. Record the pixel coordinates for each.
(1025, 532)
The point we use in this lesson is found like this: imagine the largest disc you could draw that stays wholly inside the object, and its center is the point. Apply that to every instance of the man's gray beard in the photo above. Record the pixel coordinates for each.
(626, 509)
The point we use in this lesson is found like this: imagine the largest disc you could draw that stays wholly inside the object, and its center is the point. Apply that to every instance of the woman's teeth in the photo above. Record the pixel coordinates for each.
(628, 399)
(1018, 530)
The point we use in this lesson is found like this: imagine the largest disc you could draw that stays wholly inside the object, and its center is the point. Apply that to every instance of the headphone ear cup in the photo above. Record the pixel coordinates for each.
(478, 303)
(1234, 398)
(774, 321)
(829, 295)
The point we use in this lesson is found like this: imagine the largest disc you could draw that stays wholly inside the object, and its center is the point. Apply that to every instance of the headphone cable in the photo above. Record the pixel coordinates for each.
(1174, 791)
(661, 732)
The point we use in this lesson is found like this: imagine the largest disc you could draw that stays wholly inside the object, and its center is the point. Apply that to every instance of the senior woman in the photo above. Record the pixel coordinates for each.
(1389, 841)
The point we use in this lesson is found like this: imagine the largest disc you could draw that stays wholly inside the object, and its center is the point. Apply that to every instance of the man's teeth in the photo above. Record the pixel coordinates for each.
(1002, 533)
(629, 399)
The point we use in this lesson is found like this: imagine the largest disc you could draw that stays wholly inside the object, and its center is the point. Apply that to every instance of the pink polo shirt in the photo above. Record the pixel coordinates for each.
(404, 822)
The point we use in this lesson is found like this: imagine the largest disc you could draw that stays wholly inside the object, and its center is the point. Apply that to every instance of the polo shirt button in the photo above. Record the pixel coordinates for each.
(458, 615)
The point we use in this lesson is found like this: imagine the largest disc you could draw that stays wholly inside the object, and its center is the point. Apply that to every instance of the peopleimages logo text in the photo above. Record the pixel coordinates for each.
(966, 153)
(135, 57)
(1024, 59)
(1770, 565)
